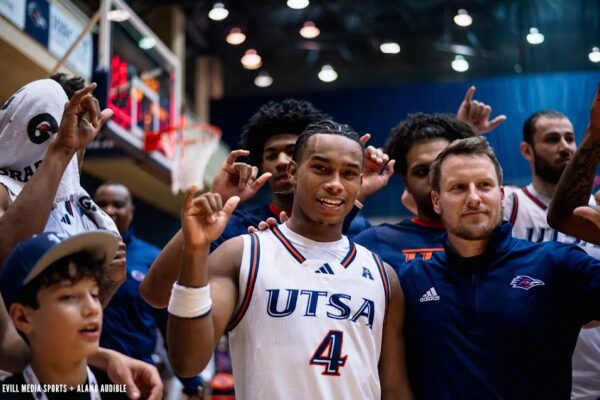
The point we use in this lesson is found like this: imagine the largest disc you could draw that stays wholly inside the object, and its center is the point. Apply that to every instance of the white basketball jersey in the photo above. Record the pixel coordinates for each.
(526, 209)
(310, 319)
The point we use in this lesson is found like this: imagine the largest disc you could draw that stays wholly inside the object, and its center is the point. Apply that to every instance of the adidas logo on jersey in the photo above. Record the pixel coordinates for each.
(65, 219)
(430, 295)
(325, 269)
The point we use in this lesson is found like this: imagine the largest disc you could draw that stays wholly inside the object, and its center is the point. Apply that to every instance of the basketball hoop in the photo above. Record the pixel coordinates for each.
(189, 148)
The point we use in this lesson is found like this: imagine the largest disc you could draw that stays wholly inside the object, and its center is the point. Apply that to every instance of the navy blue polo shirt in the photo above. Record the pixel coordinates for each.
(501, 325)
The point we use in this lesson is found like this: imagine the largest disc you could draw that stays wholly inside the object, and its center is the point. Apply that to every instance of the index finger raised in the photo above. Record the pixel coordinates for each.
(234, 154)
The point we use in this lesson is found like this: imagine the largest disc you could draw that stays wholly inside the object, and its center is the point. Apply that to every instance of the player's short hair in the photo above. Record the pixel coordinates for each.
(289, 116)
(476, 146)
(529, 124)
(418, 128)
(69, 85)
(326, 127)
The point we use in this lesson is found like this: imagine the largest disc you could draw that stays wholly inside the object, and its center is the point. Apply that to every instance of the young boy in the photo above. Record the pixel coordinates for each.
(51, 285)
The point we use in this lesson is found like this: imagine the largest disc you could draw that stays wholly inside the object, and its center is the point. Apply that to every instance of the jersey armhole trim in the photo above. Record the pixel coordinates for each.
(515, 209)
(385, 281)
(252, 274)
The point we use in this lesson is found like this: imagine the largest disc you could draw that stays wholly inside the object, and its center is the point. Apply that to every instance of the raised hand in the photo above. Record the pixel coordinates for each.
(203, 219)
(377, 170)
(81, 121)
(237, 178)
(477, 113)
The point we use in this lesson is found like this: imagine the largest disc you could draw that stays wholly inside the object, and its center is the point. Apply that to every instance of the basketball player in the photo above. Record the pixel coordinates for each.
(548, 145)
(269, 137)
(304, 306)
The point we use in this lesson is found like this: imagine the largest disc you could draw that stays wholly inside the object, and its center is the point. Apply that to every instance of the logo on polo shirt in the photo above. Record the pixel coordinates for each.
(430, 295)
(525, 282)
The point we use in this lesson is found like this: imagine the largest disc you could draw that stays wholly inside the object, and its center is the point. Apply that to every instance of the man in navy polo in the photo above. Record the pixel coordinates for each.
(492, 317)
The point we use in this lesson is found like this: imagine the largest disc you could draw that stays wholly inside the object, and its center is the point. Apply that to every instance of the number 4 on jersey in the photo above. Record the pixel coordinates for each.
(329, 354)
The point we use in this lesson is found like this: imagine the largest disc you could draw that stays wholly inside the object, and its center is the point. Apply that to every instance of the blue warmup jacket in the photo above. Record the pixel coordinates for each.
(242, 218)
(405, 241)
(501, 325)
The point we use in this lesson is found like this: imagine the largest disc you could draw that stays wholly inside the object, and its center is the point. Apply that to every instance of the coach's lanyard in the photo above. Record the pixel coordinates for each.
(31, 379)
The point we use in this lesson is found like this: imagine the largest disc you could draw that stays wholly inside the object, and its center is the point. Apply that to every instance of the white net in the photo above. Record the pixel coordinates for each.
(192, 148)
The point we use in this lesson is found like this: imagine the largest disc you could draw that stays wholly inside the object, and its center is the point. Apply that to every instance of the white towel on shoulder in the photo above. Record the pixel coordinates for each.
(29, 122)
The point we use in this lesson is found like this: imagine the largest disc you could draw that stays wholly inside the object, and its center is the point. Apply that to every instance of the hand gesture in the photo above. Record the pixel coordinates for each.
(477, 113)
(140, 378)
(269, 223)
(591, 213)
(377, 170)
(238, 179)
(81, 121)
(203, 219)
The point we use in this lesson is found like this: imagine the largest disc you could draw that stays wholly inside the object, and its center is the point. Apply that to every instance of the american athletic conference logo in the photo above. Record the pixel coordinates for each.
(525, 282)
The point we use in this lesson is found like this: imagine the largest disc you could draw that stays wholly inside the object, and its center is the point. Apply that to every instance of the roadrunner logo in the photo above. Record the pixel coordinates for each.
(525, 282)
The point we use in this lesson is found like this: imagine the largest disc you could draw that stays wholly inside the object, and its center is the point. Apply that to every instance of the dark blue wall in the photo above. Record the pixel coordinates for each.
(376, 110)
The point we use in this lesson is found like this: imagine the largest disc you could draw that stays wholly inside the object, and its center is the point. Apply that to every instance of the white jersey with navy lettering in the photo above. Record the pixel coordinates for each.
(310, 319)
(526, 210)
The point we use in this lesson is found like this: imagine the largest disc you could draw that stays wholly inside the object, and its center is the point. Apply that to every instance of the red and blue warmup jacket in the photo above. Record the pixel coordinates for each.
(501, 325)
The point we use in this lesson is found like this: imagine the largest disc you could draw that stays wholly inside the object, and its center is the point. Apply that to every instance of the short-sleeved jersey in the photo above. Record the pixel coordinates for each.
(403, 242)
(526, 210)
(310, 319)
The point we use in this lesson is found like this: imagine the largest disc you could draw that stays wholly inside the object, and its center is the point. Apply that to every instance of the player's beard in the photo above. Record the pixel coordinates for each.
(545, 170)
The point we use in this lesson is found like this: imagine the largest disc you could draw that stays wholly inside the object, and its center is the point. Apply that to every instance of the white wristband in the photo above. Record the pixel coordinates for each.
(189, 302)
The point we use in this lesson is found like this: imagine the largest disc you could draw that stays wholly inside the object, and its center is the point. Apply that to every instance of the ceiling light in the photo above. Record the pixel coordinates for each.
(309, 30)
(218, 12)
(389, 48)
(327, 73)
(459, 64)
(251, 59)
(118, 15)
(235, 36)
(462, 18)
(147, 43)
(594, 55)
(297, 4)
(534, 36)
(263, 79)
